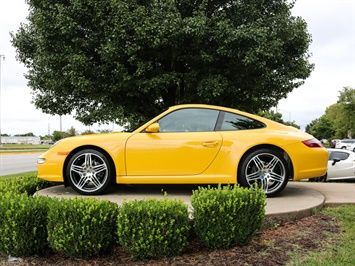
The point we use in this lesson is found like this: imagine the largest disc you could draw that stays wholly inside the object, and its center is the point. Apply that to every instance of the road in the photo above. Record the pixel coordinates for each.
(18, 163)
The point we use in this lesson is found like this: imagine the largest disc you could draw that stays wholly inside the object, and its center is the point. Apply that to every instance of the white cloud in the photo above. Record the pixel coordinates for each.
(330, 22)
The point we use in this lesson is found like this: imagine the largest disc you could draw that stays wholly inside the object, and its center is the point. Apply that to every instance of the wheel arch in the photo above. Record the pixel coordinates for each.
(267, 146)
(93, 147)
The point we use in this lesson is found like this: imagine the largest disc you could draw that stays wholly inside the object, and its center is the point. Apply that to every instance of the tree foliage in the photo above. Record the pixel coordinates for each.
(127, 60)
(87, 132)
(277, 117)
(71, 132)
(272, 115)
(29, 134)
(58, 135)
(321, 128)
(338, 122)
(346, 102)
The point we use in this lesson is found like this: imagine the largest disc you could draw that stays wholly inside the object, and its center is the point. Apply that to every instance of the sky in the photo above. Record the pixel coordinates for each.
(330, 22)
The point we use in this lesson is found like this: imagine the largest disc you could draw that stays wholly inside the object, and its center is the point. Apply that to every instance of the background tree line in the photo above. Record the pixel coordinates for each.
(338, 122)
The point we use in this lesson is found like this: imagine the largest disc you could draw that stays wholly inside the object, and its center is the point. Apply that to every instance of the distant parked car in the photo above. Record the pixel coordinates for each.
(334, 142)
(344, 144)
(341, 166)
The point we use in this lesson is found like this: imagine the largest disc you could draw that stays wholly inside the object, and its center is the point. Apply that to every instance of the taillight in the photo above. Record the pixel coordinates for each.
(313, 143)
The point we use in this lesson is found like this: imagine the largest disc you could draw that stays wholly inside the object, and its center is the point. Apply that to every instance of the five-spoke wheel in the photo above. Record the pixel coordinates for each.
(265, 167)
(89, 172)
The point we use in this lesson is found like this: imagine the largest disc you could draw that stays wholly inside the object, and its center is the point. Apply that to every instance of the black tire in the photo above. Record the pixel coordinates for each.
(89, 172)
(323, 178)
(265, 167)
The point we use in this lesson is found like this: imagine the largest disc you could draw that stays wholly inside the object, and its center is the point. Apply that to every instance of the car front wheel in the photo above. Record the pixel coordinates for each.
(89, 172)
(265, 167)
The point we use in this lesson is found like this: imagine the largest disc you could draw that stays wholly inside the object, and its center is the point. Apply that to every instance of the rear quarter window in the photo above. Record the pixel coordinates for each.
(232, 121)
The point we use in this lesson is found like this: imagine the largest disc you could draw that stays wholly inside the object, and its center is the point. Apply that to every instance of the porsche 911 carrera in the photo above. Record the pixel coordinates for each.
(188, 144)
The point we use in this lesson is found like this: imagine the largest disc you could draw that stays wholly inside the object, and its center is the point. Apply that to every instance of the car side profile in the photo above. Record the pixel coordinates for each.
(188, 144)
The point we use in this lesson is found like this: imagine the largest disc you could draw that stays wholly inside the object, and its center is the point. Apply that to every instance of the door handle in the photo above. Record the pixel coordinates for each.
(210, 144)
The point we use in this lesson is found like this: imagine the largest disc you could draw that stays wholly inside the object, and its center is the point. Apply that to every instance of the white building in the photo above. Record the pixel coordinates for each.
(20, 140)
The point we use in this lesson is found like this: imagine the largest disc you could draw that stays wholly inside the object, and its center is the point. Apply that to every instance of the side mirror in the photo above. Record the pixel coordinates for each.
(336, 160)
(153, 128)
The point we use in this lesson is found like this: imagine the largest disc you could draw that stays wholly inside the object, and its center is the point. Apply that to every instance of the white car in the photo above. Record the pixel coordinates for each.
(344, 144)
(352, 147)
(341, 166)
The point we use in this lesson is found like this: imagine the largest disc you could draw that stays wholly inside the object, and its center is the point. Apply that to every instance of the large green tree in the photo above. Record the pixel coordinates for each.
(127, 60)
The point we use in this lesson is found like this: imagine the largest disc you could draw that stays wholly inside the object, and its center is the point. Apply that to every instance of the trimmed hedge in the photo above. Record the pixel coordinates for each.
(28, 184)
(23, 224)
(82, 227)
(87, 227)
(227, 216)
(153, 228)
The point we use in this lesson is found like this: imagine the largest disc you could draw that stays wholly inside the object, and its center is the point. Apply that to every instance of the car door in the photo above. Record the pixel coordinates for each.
(186, 144)
(343, 168)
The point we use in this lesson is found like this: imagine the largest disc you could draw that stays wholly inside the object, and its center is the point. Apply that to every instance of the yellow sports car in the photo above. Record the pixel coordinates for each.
(188, 144)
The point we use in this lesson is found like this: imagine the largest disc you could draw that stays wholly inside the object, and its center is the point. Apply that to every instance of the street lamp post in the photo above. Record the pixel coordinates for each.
(3, 58)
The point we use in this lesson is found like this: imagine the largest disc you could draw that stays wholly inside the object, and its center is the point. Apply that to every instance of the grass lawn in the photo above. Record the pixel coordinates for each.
(7, 148)
(335, 249)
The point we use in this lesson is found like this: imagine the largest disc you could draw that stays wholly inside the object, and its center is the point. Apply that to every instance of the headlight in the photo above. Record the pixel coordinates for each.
(41, 160)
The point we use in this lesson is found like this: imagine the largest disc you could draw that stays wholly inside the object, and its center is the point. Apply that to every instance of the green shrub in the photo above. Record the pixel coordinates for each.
(23, 224)
(153, 228)
(82, 227)
(227, 216)
(28, 184)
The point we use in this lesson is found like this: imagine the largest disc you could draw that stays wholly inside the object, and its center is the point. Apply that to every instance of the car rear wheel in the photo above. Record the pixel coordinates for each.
(265, 167)
(89, 172)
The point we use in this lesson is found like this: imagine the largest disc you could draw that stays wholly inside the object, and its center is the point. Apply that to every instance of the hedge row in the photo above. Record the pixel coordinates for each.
(28, 184)
(87, 227)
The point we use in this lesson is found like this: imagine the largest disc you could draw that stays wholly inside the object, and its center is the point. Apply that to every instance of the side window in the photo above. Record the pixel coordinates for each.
(189, 120)
(339, 155)
(239, 122)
